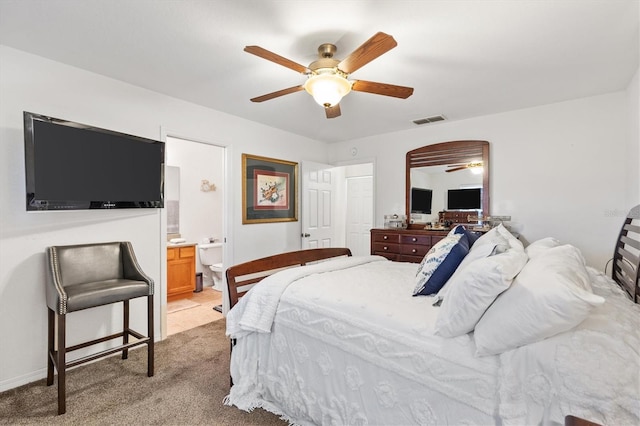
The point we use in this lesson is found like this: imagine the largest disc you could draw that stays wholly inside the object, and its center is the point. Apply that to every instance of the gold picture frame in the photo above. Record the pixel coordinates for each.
(269, 190)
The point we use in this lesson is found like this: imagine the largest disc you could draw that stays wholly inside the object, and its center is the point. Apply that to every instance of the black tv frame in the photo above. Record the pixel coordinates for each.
(33, 203)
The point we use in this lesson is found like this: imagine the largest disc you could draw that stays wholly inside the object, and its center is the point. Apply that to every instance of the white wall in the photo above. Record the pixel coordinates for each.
(31, 83)
(633, 148)
(558, 170)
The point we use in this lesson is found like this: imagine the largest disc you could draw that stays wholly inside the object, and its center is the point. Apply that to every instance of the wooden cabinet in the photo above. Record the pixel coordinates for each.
(404, 245)
(181, 271)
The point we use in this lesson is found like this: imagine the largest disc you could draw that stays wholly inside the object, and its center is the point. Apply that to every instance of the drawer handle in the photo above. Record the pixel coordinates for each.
(385, 237)
(385, 248)
(414, 251)
(414, 239)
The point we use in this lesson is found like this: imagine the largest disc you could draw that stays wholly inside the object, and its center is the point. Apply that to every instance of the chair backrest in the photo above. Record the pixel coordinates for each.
(87, 262)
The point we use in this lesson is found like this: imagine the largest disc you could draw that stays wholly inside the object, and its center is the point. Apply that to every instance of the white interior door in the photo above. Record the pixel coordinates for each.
(318, 188)
(359, 214)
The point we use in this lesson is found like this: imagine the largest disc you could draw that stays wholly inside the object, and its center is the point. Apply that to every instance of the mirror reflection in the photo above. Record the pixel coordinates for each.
(172, 199)
(447, 177)
(433, 189)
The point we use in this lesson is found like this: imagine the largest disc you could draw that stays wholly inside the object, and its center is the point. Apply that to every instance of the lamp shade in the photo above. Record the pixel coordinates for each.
(327, 89)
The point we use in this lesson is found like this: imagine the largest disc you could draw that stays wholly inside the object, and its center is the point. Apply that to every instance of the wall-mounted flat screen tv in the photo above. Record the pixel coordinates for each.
(464, 199)
(73, 166)
(421, 200)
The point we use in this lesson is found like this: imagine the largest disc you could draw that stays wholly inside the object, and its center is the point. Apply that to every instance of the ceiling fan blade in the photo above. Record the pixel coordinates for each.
(333, 112)
(377, 45)
(456, 169)
(382, 89)
(277, 94)
(270, 56)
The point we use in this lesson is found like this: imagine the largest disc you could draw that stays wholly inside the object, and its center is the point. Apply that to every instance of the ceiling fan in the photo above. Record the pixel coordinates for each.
(474, 167)
(328, 77)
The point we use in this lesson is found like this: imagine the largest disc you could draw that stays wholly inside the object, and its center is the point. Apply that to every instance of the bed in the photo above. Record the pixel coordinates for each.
(514, 335)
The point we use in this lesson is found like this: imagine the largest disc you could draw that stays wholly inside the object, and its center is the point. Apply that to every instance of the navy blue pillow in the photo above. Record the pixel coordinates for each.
(448, 266)
(471, 235)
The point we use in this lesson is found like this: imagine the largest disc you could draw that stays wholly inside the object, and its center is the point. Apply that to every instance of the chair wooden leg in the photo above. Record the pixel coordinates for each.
(62, 366)
(125, 334)
(51, 350)
(150, 333)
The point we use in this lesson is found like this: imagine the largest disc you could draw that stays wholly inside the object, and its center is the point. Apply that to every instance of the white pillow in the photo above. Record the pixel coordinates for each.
(485, 250)
(472, 291)
(540, 246)
(513, 241)
(551, 294)
(493, 238)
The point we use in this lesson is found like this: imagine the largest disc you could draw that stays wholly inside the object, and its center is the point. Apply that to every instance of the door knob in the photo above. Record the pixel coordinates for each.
(305, 235)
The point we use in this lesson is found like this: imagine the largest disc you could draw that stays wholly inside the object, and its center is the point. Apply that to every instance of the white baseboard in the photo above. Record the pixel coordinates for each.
(14, 382)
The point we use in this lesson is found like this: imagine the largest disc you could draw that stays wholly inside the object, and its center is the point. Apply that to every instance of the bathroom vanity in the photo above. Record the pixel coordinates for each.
(181, 271)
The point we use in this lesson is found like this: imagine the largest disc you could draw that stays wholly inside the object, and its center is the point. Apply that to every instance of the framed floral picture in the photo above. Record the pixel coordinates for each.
(269, 190)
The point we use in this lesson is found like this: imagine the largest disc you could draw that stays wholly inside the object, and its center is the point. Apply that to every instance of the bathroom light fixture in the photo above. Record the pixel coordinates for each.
(328, 86)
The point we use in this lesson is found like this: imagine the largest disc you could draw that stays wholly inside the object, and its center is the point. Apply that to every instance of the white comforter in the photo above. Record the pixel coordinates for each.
(592, 371)
(353, 347)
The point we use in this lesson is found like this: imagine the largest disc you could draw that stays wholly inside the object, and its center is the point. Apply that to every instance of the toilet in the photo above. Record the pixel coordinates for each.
(211, 259)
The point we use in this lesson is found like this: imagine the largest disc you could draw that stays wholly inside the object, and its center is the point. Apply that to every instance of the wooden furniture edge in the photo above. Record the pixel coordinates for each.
(254, 271)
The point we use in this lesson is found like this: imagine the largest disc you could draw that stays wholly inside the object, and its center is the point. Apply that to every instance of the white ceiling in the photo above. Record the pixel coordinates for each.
(464, 58)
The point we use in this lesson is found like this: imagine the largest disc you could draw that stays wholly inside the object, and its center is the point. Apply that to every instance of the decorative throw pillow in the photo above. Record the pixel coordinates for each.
(474, 289)
(472, 236)
(552, 294)
(541, 246)
(440, 263)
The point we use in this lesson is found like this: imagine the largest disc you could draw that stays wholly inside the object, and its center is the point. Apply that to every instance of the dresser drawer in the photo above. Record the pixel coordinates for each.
(386, 237)
(414, 250)
(390, 256)
(407, 258)
(386, 248)
(423, 240)
(436, 238)
(404, 245)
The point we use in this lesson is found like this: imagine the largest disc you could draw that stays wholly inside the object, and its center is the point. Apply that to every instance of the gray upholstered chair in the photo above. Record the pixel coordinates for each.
(85, 276)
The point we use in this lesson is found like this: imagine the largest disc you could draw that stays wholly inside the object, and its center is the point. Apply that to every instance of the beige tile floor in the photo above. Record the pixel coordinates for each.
(200, 313)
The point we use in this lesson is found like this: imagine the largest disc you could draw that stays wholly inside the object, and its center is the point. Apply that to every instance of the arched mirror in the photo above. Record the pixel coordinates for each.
(451, 177)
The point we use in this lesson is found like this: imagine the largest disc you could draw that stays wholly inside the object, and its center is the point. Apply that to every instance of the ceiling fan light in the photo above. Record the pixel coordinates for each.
(476, 168)
(327, 89)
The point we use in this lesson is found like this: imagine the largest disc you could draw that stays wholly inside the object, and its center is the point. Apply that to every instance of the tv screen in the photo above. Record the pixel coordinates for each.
(72, 166)
(464, 199)
(421, 200)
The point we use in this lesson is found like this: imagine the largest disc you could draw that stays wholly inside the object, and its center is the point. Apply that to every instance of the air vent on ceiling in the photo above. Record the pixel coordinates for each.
(432, 119)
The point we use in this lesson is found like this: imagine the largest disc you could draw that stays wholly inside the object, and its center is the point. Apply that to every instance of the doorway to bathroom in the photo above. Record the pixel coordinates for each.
(194, 204)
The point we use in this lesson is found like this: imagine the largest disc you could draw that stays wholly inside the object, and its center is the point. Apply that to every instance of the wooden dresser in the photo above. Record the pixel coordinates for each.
(181, 271)
(404, 245)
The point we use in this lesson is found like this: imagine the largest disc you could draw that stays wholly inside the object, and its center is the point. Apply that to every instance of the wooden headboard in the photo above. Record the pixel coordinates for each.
(626, 257)
(240, 277)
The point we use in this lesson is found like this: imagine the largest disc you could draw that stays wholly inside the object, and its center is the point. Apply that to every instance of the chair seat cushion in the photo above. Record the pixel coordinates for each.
(97, 293)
